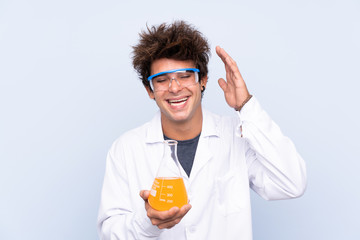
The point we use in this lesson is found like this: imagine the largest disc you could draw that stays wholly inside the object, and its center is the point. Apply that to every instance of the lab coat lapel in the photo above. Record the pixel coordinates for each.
(204, 152)
(202, 156)
(154, 133)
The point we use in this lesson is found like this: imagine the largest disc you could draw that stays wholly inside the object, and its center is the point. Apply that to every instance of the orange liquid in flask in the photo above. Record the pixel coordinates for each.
(167, 193)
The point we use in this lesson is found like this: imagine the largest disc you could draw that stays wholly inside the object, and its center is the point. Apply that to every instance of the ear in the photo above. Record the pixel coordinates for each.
(150, 93)
(204, 81)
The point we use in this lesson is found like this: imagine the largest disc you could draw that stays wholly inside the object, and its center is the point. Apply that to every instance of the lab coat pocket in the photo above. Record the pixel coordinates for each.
(230, 193)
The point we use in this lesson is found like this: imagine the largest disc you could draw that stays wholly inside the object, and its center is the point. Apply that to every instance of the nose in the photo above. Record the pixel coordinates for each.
(174, 87)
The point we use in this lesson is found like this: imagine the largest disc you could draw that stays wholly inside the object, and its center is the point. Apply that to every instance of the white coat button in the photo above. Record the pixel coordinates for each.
(192, 229)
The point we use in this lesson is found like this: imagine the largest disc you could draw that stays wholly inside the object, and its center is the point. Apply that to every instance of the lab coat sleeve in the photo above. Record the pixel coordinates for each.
(117, 217)
(276, 170)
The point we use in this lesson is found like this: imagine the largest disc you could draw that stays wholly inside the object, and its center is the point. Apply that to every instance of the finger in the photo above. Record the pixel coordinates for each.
(233, 73)
(165, 223)
(218, 52)
(179, 212)
(221, 53)
(144, 194)
(222, 84)
(174, 220)
(232, 70)
(162, 215)
(169, 224)
(225, 57)
(229, 62)
(185, 209)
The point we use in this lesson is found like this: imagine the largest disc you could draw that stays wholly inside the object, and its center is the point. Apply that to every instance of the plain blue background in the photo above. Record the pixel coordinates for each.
(68, 90)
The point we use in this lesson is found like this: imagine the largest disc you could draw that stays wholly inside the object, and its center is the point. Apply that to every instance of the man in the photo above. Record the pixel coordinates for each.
(225, 157)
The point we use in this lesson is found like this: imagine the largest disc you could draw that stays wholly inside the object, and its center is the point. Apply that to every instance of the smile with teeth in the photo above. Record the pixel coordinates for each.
(177, 102)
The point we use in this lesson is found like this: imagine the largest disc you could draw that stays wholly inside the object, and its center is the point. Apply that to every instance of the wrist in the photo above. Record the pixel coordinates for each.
(243, 103)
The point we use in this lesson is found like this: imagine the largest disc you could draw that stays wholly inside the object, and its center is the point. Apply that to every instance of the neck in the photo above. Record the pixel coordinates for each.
(184, 130)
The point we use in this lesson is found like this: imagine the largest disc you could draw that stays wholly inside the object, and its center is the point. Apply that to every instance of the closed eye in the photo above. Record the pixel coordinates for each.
(159, 80)
(185, 75)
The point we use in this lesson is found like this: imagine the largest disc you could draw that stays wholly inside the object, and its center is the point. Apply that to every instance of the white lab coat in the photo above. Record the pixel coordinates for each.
(229, 159)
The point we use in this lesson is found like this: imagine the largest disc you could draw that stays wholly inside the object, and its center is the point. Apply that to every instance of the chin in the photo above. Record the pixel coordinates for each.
(179, 118)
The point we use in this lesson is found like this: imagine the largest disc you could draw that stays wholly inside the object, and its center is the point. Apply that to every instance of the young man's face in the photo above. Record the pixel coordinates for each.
(177, 104)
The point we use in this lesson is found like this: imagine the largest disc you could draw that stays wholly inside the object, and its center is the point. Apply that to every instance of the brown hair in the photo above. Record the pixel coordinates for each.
(178, 41)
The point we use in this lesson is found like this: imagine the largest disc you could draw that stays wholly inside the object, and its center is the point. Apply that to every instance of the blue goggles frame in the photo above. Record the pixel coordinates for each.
(171, 71)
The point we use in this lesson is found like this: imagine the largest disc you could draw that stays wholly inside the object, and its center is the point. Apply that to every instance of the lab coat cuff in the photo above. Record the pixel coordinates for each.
(150, 229)
(248, 113)
(249, 110)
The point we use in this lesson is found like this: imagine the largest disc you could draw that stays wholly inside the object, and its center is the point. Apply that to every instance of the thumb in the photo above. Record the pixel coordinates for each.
(222, 84)
(144, 194)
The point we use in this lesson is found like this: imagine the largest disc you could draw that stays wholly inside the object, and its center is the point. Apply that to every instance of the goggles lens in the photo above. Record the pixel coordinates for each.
(183, 77)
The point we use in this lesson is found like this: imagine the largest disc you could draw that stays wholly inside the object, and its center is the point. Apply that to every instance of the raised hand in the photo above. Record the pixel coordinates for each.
(235, 90)
(164, 219)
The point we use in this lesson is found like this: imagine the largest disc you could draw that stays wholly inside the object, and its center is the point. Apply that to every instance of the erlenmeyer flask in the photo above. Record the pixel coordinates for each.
(168, 189)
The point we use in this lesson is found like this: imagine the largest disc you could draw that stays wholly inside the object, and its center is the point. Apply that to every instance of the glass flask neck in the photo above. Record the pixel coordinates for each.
(171, 149)
(170, 166)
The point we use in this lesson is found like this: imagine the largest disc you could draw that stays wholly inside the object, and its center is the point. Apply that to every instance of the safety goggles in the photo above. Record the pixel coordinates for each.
(184, 77)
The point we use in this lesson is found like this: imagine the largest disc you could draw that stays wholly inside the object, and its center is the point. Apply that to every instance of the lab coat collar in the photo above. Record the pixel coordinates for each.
(155, 134)
(210, 125)
(154, 131)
